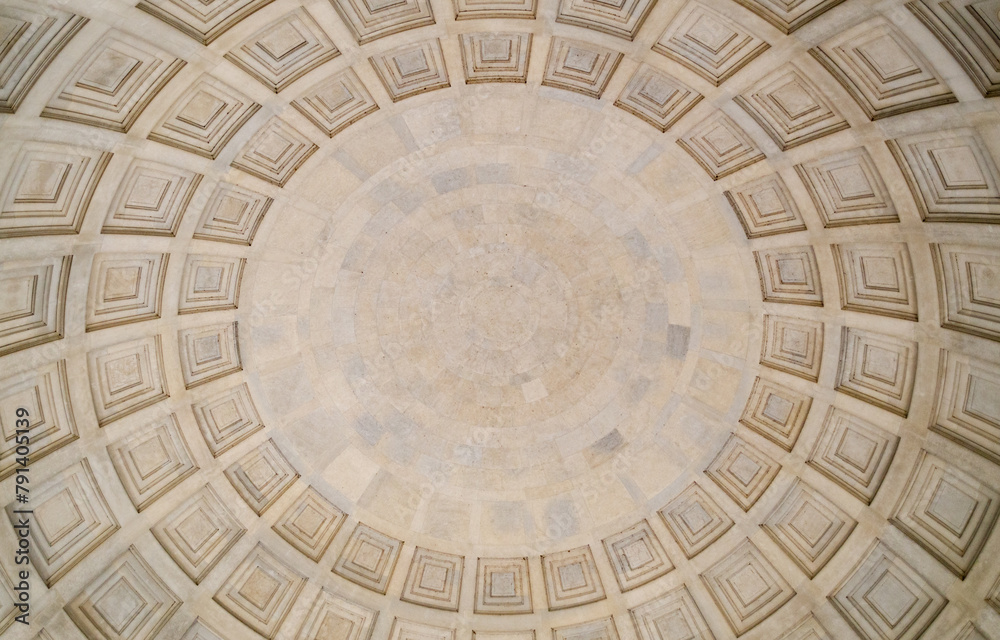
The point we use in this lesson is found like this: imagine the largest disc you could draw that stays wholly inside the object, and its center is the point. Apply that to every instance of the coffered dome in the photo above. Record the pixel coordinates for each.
(501, 319)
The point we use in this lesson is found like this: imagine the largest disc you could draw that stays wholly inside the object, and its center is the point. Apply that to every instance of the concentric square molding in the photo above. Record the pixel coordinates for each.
(847, 189)
(571, 578)
(336, 103)
(579, 66)
(203, 20)
(776, 412)
(789, 16)
(765, 207)
(970, 632)
(970, 33)
(33, 305)
(791, 108)
(789, 275)
(71, 519)
(657, 97)
(808, 527)
(233, 214)
(369, 558)
(708, 43)
(600, 629)
(275, 152)
(877, 368)
(876, 278)
(44, 392)
(403, 629)
(200, 630)
(198, 533)
(695, 520)
(528, 634)
(261, 476)
(128, 601)
(637, 556)
(951, 174)
(965, 409)
(48, 188)
(793, 345)
(475, 9)
(333, 616)
(152, 461)
(125, 288)
(434, 579)
(968, 288)
(210, 283)
(854, 453)
(227, 418)
(151, 199)
(808, 628)
(495, 57)
(743, 471)
(113, 83)
(204, 118)
(261, 591)
(622, 19)
(882, 70)
(672, 616)
(285, 50)
(209, 352)
(371, 21)
(947, 511)
(720, 146)
(310, 524)
(503, 586)
(884, 597)
(746, 587)
(126, 377)
(412, 69)
(36, 36)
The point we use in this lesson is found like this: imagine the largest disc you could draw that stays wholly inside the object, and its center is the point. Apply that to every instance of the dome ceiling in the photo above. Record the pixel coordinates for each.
(501, 319)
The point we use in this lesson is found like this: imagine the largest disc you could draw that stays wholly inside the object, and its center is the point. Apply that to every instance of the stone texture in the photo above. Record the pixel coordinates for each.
(882, 70)
(746, 587)
(113, 83)
(884, 596)
(580, 66)
(709, 43)
(571, 578)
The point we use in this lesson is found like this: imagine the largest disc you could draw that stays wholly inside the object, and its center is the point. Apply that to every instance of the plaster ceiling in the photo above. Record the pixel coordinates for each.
(640, 320)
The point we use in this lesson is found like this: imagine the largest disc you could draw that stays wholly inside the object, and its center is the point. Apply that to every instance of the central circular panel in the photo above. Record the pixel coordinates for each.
(504, 336)
(497, 316)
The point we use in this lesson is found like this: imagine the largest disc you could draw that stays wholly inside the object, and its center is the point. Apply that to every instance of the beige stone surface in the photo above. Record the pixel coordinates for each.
(514, 320)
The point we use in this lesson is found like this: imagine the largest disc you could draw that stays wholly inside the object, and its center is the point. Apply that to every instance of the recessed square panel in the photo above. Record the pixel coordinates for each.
(808, 527)
(854, 453)
(882, 70)
(503, 586)
(262, 476)
(369, 558)
(128, 600)
(947, 511)
(113, 83)
(261, 591)
(637, 556)
(884, 597)
(746, 587)
(199, 533)
(709, 43)
(434, 579)
(571, 578)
